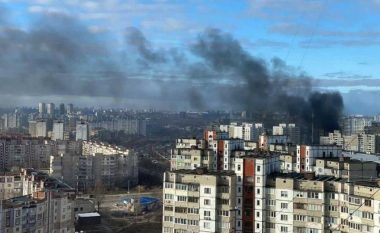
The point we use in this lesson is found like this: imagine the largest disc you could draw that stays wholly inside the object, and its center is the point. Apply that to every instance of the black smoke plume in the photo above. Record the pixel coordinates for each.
(263, 88)
(58, 55)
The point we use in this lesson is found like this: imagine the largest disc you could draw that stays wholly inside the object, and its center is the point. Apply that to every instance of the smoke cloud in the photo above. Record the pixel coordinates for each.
(57, 55)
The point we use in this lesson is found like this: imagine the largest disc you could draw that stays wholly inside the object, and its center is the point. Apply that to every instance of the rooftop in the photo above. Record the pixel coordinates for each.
(203, 171)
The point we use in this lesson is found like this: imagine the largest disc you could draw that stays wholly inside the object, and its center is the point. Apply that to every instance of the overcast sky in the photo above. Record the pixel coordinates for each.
(335, 42)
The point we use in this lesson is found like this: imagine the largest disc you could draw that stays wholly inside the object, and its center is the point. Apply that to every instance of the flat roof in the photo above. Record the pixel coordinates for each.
(204, 172)
(89, 215)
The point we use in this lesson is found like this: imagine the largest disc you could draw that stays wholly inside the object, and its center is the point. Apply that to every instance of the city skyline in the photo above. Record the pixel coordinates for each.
(134, 54)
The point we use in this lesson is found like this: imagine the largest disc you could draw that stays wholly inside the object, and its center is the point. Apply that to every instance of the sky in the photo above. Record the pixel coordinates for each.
(337, 43)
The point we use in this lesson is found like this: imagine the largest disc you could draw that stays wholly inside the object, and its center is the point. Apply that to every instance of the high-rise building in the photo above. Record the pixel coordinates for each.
(88, 168)
(51, 109)
(355, 124)
(62, 109)
(11, 120)
(41, 108)
(45, 212)
(246, 131)
(41, 128)
(82, 131)
(307, 155)
(313, 189)
(290, 130)
(58, 130)
(199, 201)
(70, 109)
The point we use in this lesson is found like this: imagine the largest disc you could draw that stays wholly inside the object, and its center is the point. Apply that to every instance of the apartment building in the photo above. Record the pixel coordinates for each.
(25, 152)
(361, 142)
(185, 158)
(246, 131)
(49, 212)
(346, 168)
(305, 203)
(251, 170)
(14, 184)
(290, 130)
(199, 201)
(98, 163)
(333, 138)
(301, 189)
(306, 155)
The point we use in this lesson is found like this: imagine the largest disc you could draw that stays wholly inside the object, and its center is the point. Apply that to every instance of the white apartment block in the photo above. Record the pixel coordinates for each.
(18, 184)
(97, 163)
(58, 130)
(198, 201)
(82, 132)
(334, 138)
(306, 155)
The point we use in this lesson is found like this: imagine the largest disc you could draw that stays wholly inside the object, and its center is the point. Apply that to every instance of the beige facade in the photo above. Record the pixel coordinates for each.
(199, 201)
(49, 212)
(18, 184)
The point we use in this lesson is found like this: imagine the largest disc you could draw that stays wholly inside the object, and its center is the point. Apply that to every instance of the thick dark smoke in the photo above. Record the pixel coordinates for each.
(234, 77)
(57, 55)
(267, 89)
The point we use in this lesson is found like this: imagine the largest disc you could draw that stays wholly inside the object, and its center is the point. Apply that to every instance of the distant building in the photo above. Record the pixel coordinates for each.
(62, 109)
(290, 130)
(11, 120)
(128, 125)
(355, 124)
(245, 131)
(51, 109)
(334, 138)
(306, 155)
(58, 130)
(42, 108)
(97, 164)
(41, 128)
(70, 109)
(82, 131)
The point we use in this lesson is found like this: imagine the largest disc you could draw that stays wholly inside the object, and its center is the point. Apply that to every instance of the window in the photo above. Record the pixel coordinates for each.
(284, 194)
(258, 191)
(272, 214)
(367, 202)
(181, 198)
(168, 218)
(367, 215)
(300, 218)
(258, 214)
(207, 190)
(193, 211)
(239, 167)
(333, 208)
(314, 207)
(258, 168)
(168, 196)
(313, 195)
(206, 225)
(284, 205)
(284, 217)
(258, 180)
(258, 203)
(271, 202)
(283, 229)
(207, 202)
